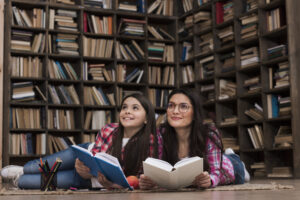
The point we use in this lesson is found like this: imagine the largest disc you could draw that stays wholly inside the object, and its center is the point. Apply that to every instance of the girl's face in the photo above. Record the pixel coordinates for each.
(133, 114)
(180, 111)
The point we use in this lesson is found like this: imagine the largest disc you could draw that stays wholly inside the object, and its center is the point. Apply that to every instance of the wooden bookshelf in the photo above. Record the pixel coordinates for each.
(77, 59)
(256, 54)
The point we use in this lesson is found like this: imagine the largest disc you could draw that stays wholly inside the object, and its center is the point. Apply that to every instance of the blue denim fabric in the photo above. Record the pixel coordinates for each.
(238, 167)
(66, 176)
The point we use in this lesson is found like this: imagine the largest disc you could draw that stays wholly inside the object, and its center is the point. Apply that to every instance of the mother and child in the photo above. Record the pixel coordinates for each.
(135, 138)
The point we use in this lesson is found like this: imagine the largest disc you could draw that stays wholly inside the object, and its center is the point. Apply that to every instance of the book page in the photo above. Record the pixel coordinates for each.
(186, 161)
(159, 163)
(108, 158)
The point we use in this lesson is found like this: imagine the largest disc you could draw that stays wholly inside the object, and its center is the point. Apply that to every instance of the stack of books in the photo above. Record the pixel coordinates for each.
(106, 4)
(128, 6)
(281, 77)
(63, 20)
(227, 89)
(228, 61)
(23, 91)
(65, 44)
(252, 84)
(249, 57)
(134, 27)
(226, 35)
(283, 137)
(207, 67)
(206, 43)
(251, 5)
(208, 91)
(249, 26)
(277, 51)
(259, 169)
(255, 113)
(202, 20)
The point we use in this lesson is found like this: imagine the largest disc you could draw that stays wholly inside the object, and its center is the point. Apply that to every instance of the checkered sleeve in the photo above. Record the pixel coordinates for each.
(104, 138)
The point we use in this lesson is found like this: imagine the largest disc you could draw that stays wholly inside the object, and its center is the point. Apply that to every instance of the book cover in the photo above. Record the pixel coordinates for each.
(108, 165)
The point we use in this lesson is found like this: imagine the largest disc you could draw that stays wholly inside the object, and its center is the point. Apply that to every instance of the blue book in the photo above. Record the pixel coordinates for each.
(275, 106)
(104, 163)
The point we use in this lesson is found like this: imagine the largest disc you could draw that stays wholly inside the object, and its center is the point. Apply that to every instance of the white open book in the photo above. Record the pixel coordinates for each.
(182, 174)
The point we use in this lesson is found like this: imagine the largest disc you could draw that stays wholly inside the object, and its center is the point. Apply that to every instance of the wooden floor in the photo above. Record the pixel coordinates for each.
(210, 195)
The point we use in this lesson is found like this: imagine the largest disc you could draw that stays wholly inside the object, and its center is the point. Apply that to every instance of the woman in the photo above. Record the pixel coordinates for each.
(184, 135)
(131, 141)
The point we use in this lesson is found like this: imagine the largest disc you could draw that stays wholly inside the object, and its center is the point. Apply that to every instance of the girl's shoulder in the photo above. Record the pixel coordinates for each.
(109, 128)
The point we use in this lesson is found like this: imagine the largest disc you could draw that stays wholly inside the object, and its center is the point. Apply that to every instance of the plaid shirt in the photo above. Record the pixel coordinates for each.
(218, 176)
(104, 140)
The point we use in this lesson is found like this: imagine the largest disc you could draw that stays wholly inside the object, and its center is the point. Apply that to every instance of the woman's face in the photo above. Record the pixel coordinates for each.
(180, 111)
(133, 114)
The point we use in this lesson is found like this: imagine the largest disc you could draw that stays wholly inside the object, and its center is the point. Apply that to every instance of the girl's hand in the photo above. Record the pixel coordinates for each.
(146, 183)
(106, 183)
(82, 170)
(202, 180)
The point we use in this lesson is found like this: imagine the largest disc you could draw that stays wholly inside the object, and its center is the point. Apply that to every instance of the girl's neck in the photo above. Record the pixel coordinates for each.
(183, 142)
(129, 132)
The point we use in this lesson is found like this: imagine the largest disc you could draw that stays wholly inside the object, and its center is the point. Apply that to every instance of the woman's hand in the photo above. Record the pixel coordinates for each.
(146, 183)
(82, 170)
(106, 183)
(202, 180)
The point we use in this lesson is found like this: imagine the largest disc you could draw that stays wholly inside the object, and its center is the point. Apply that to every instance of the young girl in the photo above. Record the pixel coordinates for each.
(184, 135)
(131, 141)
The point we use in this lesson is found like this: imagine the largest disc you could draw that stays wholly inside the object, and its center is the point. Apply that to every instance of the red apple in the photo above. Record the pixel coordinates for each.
(133, 181)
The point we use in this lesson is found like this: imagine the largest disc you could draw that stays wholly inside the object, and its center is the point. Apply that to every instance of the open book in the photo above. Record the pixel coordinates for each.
(106, 164)
(182, 174)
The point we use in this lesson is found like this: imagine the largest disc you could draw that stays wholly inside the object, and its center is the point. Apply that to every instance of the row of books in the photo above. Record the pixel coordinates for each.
(26, 66)
(188, 74)
(161, 7)
(63, 94)
(129, 51)
(26, 118)
(97, 24)
(256, 135)
(97, 96)
(224, 11)
(35, 18)
(56, 143)
(97, 47)
(159, 97)
(96, 119)
(98, 71)
(276, 18)
(61, 70)
(187, 51)
(27, 41)
(278, 105)
(27, 143)
(161, 75)
(61, 119)
(159, 33)
(129, 74)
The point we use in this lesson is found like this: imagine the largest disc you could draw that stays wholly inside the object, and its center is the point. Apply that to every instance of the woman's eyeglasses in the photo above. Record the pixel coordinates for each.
(182, 107)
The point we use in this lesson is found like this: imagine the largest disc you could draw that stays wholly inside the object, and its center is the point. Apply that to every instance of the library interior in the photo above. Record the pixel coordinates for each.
(66, 65)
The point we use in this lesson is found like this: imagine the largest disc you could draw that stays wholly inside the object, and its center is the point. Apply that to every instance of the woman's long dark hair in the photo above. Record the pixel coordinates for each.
(138, 146)
(198, 136)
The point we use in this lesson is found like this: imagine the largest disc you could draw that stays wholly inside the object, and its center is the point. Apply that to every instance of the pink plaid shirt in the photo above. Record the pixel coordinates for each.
(218, 175)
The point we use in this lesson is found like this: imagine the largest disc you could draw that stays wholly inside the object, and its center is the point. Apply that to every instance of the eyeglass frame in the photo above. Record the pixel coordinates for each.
(179, 109)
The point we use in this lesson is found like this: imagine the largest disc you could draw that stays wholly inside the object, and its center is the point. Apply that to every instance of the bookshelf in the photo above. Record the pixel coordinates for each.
(243, 58)
(70, 62)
